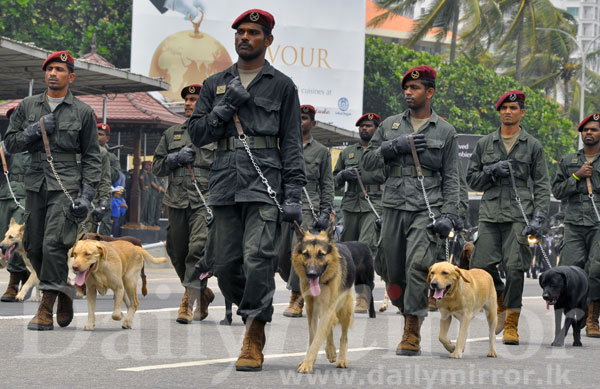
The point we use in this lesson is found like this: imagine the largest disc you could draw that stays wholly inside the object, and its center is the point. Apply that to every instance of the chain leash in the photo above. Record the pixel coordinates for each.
(5, 166)
(209, 211)
(591, 196)
(312, 209)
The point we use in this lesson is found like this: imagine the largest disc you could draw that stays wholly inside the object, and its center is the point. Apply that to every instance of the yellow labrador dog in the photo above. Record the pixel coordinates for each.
(110, 265)
(462, 293)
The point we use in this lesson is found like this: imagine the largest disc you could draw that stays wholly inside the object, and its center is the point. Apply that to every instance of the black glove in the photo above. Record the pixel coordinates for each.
(322, 221)
(499, 169)
(235, 96)
(292, 204)
(99, 212)
(443, 225)
(401, 145)
(80, 207)
(348, 174)
(33, 132)
(181, 158)
(536, 225)
(378, 224)
(459, 222)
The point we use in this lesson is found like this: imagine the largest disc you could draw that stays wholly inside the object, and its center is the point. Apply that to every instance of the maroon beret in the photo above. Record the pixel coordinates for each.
(59, 56)
(103, 127)
(10, 111)
(419, 73)
(308, 109)
(595, 117)
(193, 89)
(257, 16)
(368, 116)
(512, 96)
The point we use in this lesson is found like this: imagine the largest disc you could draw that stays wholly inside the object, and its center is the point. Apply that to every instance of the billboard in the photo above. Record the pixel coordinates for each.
(319, 44)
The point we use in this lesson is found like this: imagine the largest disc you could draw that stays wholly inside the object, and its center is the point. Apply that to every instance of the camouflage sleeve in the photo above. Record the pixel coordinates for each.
(564, 184)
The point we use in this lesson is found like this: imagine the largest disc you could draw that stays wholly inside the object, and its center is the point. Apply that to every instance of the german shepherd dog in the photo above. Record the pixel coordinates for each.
(13, 242)
(327, 274)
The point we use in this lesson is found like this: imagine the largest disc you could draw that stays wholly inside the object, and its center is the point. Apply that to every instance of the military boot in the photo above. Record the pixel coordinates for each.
(501, 315)
(64, 310)
(10, 296)
(251, 357)
(511, 333)
(185, 314)
(296, 305)
(411, 338)
(201, 311)
(42, 321)
(362, 302)
(591, 321)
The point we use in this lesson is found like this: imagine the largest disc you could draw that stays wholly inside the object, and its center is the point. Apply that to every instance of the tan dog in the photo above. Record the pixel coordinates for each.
(462, 293)
(110, 265)
(13, 242)
(326, 274)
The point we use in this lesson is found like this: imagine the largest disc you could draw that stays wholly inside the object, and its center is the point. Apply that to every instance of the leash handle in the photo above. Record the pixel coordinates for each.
(4, 164)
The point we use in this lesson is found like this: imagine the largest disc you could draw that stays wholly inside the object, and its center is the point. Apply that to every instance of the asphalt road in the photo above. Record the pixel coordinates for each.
(158, 352)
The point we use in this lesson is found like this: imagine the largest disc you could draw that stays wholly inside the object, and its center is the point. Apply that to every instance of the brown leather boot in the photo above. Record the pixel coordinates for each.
(10, 296)
(591, 321)
(362, 303)
(185, 315)
(201, 311)
(411, 338)
(511, 333)
(64, 310)
(42, 321)
(251, 357)
(296, 305)
(501, 315)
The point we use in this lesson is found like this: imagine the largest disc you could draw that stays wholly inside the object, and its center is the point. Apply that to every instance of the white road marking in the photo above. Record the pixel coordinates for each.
(226, 360)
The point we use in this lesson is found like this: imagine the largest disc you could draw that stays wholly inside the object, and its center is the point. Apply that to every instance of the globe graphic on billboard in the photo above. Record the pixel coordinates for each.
(187, 57)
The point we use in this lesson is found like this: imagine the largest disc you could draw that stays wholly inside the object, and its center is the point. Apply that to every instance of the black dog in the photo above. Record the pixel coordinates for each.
(566, 287)
(365, 268)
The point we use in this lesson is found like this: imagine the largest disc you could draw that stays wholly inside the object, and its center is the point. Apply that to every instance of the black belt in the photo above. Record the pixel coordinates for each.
(254, 142)
(506, 181)
(410, 171)
(370, 188)
(57, 157)
(184, 172)
(581, 198)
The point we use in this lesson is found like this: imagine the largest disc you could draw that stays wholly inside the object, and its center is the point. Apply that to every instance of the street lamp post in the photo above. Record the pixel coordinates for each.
(583, 52)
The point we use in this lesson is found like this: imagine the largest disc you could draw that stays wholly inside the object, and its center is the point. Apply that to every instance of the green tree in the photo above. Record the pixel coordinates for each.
(70, 25)
(465, 95)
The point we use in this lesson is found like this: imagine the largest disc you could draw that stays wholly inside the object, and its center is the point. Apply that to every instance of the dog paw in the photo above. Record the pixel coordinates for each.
(331, 353)
(492, 354)
(305, 367)
(117, 316)
(20, 296)
(449, 347)
(577, 343)
(456, 354)
(342, 364)
(88, 327)
(126, 325)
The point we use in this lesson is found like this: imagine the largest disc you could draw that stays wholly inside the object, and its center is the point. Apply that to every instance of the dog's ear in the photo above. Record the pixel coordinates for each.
(330, 230)
(299, 230)
(12, 222)
(102, 251)
(542, 279)
(429, 276)
(463, 274)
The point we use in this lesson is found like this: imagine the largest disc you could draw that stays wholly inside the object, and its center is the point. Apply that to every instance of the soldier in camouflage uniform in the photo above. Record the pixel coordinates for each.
(174, 157)
(502, 233)
(408, 236)
(318, 195)
(582, 227)
(145, 193)
(242, 238)
(115, 168)
(17, 165)
(359, 218)
(50, 217)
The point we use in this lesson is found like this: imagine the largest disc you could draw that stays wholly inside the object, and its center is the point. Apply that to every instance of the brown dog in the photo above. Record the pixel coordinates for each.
(110, 265)
(462, 293)
(465, 257)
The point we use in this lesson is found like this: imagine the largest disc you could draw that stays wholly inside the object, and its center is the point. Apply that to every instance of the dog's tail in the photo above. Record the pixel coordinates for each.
(150, 258)
(144, 288)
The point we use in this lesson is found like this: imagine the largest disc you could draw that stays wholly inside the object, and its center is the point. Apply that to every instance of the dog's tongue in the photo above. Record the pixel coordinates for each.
(80, 277)
(315, 289)
(204, 275)
(547, 305)
(9, 252)
(438, 293)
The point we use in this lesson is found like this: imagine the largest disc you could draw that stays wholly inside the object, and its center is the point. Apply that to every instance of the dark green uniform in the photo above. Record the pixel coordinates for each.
(50, 229)
(359, 219)
(582, 228)
(145, 196)
(115, 167)
(499, 237)
(242, 239)
(319, 186)
(158, 200)
(103, 192)
(187, 228)
(17, 165)
(409, 247)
